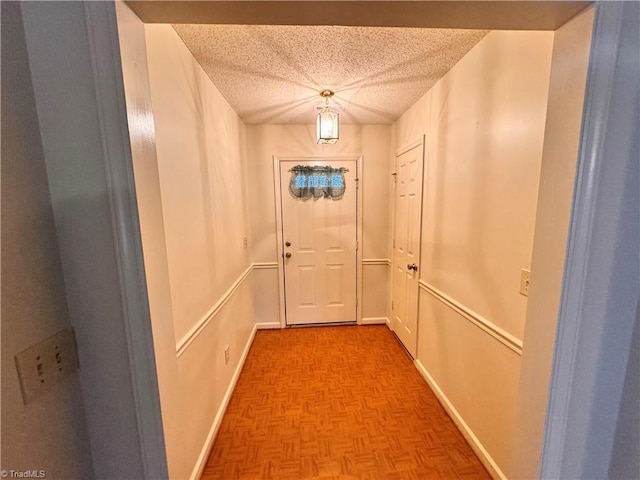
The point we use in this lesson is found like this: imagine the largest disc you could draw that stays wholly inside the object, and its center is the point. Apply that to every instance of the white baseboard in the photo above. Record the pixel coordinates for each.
(268, 325)
(217, 421)
(375, 321)
(466, 431)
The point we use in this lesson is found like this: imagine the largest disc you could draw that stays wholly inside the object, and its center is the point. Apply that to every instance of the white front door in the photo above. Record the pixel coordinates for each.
(406, 247)
(319, 251)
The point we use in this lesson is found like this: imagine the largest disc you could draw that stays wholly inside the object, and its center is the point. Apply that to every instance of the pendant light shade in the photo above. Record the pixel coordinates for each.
(327, 123)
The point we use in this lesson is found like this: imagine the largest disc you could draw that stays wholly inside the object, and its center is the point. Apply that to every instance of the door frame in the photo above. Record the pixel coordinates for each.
(277, 165)
(597, 312)
(404, 149)
(118, 378)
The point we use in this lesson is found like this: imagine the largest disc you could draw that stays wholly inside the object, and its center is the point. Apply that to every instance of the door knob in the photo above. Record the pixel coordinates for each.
(288, 244)
(412, 266)
(288, 254)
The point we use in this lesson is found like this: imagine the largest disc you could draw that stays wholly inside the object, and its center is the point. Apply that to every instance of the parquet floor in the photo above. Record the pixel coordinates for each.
(336, 403)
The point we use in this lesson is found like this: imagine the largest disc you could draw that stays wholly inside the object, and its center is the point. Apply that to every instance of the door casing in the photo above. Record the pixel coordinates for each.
(277, 166)
(417, 143)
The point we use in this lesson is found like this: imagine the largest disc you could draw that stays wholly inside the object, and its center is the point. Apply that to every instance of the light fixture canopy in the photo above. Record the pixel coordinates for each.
(327, 123)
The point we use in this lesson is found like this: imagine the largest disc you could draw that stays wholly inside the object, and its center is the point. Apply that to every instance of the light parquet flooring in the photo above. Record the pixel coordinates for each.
(336, 403)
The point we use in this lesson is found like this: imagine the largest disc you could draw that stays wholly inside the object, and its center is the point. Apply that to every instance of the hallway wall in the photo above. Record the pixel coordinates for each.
(189, 154)
(201, 148)
(371, 141)
(567, 85)
(484, 124)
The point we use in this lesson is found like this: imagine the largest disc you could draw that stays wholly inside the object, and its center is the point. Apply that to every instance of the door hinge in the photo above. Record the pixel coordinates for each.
(357, 183)
(391, 305)
(394, 243)
(356, 301)
(395, 177)
(357, 244)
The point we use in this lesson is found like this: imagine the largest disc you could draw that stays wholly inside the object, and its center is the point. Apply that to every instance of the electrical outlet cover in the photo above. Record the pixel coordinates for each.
(43, 365)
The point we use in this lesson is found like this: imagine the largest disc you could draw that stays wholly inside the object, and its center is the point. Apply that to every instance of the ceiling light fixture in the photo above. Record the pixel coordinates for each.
(327, 121)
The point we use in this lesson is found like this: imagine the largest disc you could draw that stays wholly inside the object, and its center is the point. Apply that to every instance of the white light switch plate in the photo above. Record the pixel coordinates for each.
(46, 363)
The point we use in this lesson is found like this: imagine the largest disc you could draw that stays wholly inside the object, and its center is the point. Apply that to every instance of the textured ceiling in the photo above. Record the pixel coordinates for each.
(274, 74)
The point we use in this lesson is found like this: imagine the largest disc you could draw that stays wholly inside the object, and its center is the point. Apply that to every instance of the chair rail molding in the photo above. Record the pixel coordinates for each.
(198, 328)
(478, 320)
(376, 261)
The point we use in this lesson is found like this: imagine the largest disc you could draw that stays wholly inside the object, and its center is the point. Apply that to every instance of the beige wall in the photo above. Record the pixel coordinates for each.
(189, 154)
(371, 141)
(564, 121)
(484, 124)
(50, 432)
(201, 150)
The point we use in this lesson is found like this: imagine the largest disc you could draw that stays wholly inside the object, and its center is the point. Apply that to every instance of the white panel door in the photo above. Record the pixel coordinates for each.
(319, 252)
(406, 247)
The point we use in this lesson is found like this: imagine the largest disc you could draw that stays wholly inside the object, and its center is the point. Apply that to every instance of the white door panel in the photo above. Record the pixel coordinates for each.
(320, 273)
(406, 247)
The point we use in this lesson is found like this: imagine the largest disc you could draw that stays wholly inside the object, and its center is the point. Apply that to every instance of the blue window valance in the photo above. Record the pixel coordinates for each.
(317, 182)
